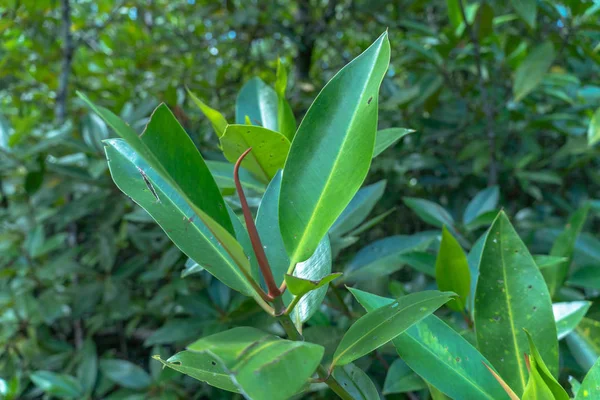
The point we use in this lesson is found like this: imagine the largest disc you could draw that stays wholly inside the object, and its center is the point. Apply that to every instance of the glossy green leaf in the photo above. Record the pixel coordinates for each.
(299, 286)
(484, 201)
(385, 256)
(590, 387)
(331, 152)
(474, 260)
(452, 271)
(315, 268)
(378, 327)
(586, 277)
(527, 10)
(264, 366)
(543, 261)
(125, 374)
(584, 343)
(430, 212)
(563, 246)
(218, 121)
(285, 116)
(356, 382)
(541, 379)
(532, 69)
(593, 132)
(167, 148)
(269, 149)
(258, 102)
(173, 214)
(223, 174)
(388, 137)
(440, 355)
(358, 209)
(575, 386)
(568, 315)
(61, 386)
(511, 296)
(401, 379)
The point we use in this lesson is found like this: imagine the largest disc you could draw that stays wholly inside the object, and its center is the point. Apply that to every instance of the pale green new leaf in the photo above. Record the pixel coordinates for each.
(452, 270)
(217, 119)
(593, 133)
(541, 379)
(532, 70)
(299, 286)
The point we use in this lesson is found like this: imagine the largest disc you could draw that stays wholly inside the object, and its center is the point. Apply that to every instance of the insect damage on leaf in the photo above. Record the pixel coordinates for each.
(149, 184)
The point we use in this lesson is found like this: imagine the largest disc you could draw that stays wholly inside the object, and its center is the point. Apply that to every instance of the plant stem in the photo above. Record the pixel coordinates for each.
(288, 326)
(487, 107)
(257, 246)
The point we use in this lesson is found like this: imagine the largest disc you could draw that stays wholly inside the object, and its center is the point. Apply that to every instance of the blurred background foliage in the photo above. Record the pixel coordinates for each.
(91, 288)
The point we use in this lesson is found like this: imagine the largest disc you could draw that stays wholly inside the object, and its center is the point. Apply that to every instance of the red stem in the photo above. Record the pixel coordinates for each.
(259, 251)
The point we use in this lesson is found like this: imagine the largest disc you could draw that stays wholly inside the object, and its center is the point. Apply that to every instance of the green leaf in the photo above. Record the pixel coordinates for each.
(567, 315)
(388, 137)
(315, 268)
(511, 296)
(584, 343)
(485, 20)
(430, 212)
(285, 115)
(173, 214)
(401, 379)
(191, 267)
(474, 260)
(532, 69)
(586, 277)
(452, 271)
(358, 209)
(386, 256)
(223, 173)
(356, 382)
(563, 246)
(166, 148)
(544, 261)
(58, 385)
(454, 13)
(440, 355)
(527, 10)
(258, 102)
(593, 133)
(269, 149)
(87, 372)
(299, 286)
(382, 325)
(331, 152)
(541, 381)
(126, 374)
(590, 387)
(264, 366)
(217, 119)
(486, 200)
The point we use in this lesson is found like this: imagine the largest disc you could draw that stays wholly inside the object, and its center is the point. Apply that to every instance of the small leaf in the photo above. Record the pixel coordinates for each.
(126, 374)
(285, 116)
(486, 200)
(299, 287)
(527, 10)
(269, 149)
(590, 387)
(452, 271)
(382, 325)
(584, 343)
(388, 137)
(217, 119)
(331, 152)
(356, 382)
(543, 261)
(532, 69)
(59, 385)
(401, 379)
(430, 212)
(593, 133)
(540, 378)
(568, 315)
(358, 209)
(257, 102)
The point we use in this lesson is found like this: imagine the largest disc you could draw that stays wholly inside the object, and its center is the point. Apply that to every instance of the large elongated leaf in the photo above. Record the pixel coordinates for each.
(511, 296)
(173, 214)
(440, 355)
(563, 246)
(269, 149)
(378, 327)
(261, 365)
(532, 69)
(452, 270)
(356, 382)
(317, 267)
(257, 101)
(474, 259)
(331, 152)
(590, 387)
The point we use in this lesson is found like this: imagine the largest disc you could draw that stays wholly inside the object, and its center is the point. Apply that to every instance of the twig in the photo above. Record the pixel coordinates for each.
(487, 108)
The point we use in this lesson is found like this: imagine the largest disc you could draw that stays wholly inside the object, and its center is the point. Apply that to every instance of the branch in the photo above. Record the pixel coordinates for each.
(259, 251)
(487, 108)
(68, 50)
